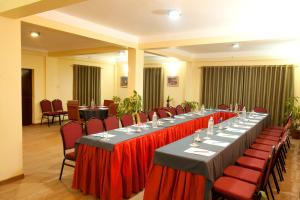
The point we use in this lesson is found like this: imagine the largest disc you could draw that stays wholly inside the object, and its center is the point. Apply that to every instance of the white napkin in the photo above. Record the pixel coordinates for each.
(216, 143)
(125, 130)
(253, 120)
(179, 117)
(102, 135)
(227, 135)
(202, 152)
(241, 126)
(236, 130)
(167, 119)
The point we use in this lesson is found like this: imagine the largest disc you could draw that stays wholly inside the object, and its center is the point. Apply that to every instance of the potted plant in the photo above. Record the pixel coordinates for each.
(192, 104)
(129, 105)
(292, 106)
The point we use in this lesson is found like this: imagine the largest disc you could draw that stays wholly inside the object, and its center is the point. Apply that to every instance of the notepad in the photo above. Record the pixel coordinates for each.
(198, 151)
(236, 130)
(107, 135)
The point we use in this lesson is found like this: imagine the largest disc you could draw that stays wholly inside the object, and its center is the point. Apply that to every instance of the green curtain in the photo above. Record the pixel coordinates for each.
(153, 88)
(87, 84)
(262, 86)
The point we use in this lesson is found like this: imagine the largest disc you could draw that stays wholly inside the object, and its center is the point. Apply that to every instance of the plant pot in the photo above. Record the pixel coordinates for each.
(295, 134)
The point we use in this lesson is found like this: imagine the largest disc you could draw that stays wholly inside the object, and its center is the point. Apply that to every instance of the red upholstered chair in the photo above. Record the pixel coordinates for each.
(171, 111)
(47, 111)
(223, 107)
(179, 110)
(142, 117)
(94, 125)
(111, 123)
(58, 107)
(243, 183)
(127, 120)
(260, 110)
(107, 102)
(162, 113)
(112, 109)
(187, 109)
(70, 133)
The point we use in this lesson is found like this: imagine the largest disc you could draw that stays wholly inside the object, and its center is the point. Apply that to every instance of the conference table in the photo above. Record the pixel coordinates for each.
(187, 169)
(99, 112)
(116, 164)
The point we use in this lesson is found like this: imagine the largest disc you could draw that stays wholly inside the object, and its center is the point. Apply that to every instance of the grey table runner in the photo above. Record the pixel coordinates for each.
(173, 155)
(121, 135)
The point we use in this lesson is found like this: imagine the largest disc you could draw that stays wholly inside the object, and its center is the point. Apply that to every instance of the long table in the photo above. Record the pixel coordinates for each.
(178, 174)
(118, 167)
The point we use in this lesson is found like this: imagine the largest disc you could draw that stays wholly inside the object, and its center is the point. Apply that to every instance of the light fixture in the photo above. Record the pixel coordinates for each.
(35, 34)
(236, 45)
(122, 53)
(174, 14)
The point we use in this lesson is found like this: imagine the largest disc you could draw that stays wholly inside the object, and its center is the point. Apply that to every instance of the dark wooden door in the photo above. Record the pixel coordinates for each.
(26, 97)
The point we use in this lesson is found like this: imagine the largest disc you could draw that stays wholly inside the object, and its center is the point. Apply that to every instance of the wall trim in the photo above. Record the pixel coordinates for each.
(12, 179)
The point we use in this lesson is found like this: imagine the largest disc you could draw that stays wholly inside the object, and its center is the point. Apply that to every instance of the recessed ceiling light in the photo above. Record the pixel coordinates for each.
(174, 14)
(35, 34)
(236, 45)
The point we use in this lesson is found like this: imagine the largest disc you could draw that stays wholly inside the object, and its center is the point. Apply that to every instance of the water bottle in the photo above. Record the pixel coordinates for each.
(220, 122)
(154, 120)
(210, 125)
(92, 103)
(236, 108)
(230, 107)
(202, 108)
(244, 112)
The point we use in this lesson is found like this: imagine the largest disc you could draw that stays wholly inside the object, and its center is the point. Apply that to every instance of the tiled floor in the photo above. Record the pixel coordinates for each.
(42, 148)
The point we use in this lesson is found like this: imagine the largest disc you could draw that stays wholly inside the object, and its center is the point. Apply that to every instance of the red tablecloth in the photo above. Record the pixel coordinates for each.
(124, 171)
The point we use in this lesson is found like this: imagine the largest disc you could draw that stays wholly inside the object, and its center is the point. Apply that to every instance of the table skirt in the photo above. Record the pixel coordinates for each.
(119, 173)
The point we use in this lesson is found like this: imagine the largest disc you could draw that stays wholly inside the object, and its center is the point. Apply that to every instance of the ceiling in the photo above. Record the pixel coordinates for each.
(51, 40)
(203, 17)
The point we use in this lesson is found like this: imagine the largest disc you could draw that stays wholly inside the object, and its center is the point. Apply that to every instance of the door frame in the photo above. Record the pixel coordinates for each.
(32, 92)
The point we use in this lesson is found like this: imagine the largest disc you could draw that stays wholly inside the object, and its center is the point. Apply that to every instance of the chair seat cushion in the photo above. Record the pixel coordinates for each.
(269, 137)
(252, 163)
(257, 154)
(244, 174)
(70, 156)
(274, 134)
(266, 142)
(262, 147)
(278, 128)
(234, 188)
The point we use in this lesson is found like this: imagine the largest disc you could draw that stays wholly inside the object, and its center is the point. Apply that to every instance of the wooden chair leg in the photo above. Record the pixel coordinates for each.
(59, 119)
(48, 121)
(279, 171)
(275, 181)
(271, 190)
(62, 168)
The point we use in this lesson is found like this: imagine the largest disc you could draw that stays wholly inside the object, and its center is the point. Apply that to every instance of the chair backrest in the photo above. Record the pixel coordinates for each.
(127, 120)
(107, 102)
(162, 113)
(150, 115)
(73, 112)
(260, 110)
(46, 106)
(57, 105)
(94, 125)
(111, 123)
(70, 133)
(179, 110)
(143, 117)
(171, 110)
(270, 165)
(223, 107)
(112, 109)
(240, 107)
(187, 108)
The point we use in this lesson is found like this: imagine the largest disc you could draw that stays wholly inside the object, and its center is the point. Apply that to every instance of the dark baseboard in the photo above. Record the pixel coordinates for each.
(12, 179)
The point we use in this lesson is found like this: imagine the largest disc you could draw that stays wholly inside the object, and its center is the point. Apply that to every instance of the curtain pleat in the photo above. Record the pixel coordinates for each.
(153, 88)
(252, 86)
(87, 84)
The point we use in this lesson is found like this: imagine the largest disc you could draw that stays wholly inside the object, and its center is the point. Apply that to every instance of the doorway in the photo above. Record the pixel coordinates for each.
(26, 97)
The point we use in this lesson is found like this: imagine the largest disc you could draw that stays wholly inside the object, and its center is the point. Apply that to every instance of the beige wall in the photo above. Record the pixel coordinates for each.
(53, 78)
(10, 102)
